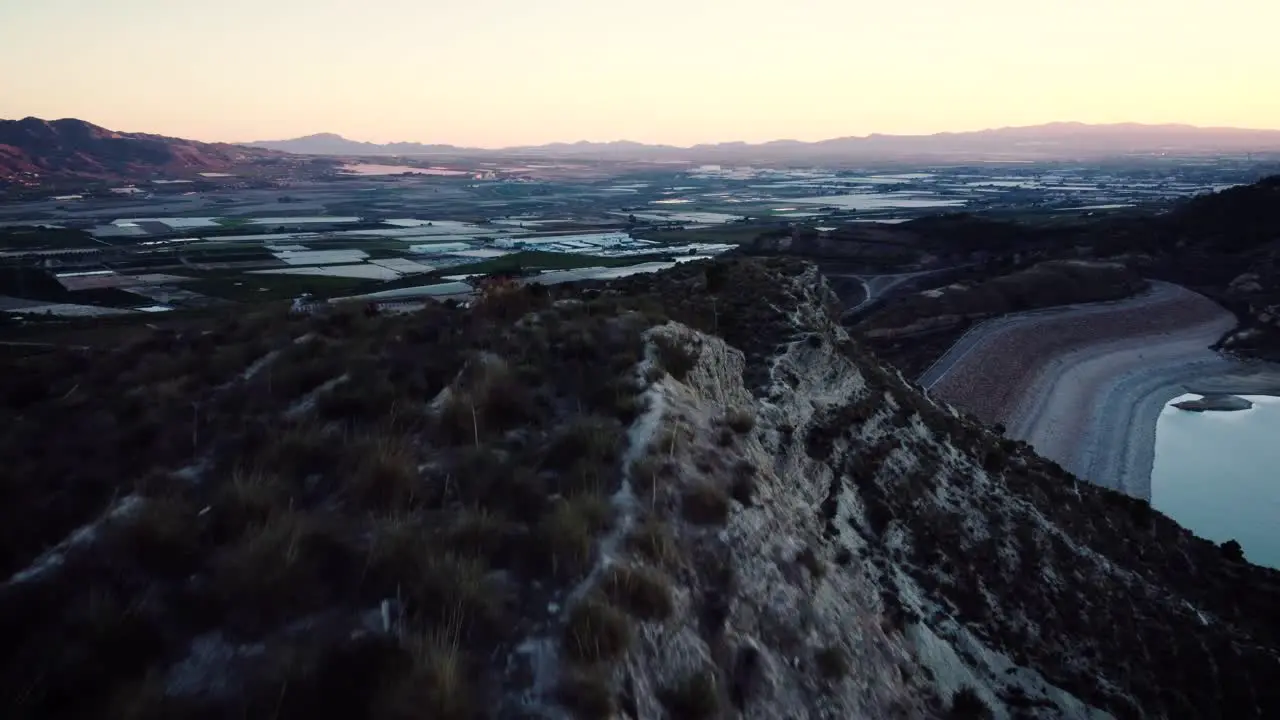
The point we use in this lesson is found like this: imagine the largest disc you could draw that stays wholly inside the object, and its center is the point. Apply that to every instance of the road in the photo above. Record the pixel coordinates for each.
(879, 286)
(979, 334)
(16, 343)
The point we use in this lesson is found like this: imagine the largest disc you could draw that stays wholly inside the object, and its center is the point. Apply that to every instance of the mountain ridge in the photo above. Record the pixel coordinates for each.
(73, 149)
(1072, 138)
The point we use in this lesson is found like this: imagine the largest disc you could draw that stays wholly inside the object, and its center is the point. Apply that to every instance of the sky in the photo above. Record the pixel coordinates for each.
(492, 73)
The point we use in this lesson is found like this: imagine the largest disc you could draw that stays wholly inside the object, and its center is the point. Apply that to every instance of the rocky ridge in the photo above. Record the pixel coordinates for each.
(685, 495)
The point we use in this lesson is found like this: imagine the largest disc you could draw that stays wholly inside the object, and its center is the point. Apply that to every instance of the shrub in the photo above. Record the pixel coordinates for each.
(487, 400)
(646, 472)
(594, 439)
(643, 593)
(141, 699)
(449, 585)
(162, 536)
(966, 704)
(832, 662)
(694, 698)
(596, 632)
(743, 488)
(705, 504)
(280, 566)
(675, 356)
(251, 496)
(725, 437)
(300, 451)
(383, 473)
(566, 534)
(740, 420)
(436, 685)
(994, 460)
(809, 559)
(1231, 550)
(653, 539)
(586, 694)
(484, 534)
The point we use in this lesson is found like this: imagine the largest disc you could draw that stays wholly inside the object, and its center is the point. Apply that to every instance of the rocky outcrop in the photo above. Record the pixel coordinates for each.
(1215, 403)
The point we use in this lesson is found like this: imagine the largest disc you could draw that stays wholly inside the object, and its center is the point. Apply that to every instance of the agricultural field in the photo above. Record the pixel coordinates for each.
(193, 247)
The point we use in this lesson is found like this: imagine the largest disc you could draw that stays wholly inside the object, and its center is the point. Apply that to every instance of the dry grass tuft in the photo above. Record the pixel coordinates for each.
(488, 400)
(437, 684)
(567, 534)
(697, 697)
(705, 504)
(481, 533)
(285, 564)
(741, 420)
(252, 496)
(809, 560)
(967, 704)
(296, 453)
(646, 474)
(141, 699)
(586, 694)
(743, 488)
(438, 583)
(644, 593)
(653, 539)
(832, 662)
(163, 536)
(596, 632)
(676, 357)
(384, 473)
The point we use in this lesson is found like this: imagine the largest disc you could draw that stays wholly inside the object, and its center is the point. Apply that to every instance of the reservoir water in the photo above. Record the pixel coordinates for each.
(1218, 474)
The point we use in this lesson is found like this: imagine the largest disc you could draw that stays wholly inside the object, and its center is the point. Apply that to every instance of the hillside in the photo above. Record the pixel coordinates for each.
(73, 149)
(1225, 245)
(683, 495)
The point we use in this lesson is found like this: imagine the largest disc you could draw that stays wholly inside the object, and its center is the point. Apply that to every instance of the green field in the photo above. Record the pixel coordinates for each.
(539, 260)
(32, 283)
(41, 238)
(240, 287)
(731, 233)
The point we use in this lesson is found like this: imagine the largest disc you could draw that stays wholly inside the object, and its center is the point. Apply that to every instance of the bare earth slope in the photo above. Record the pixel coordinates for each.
(685, 495)
(1084, 384)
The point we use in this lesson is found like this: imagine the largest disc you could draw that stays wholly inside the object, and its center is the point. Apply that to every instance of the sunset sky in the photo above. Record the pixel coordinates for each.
(506, 72)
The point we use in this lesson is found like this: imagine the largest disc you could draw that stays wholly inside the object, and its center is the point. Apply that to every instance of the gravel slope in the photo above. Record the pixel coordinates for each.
(1085, 384)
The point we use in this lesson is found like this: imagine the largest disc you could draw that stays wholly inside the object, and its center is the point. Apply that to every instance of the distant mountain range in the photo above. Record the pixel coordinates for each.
(1039, 142)
(34, 150)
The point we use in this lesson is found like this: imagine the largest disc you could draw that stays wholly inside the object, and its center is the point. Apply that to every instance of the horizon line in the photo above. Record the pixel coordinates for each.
(1052, 123)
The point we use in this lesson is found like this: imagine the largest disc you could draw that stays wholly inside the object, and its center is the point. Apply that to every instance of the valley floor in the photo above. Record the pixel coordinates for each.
(1085, 384)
